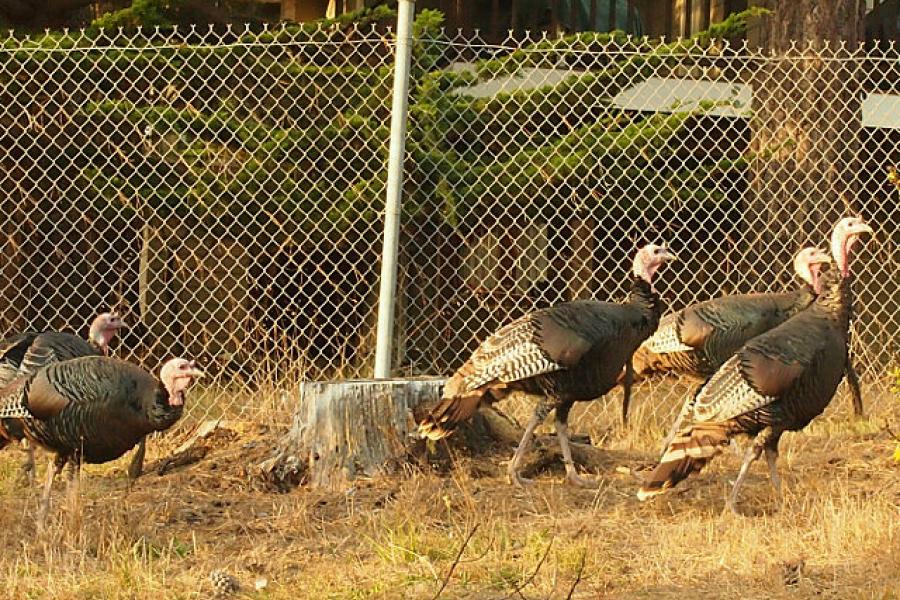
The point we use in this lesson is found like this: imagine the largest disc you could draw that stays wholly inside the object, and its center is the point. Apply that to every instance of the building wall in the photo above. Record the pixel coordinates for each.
(309, 10)
(303, 10)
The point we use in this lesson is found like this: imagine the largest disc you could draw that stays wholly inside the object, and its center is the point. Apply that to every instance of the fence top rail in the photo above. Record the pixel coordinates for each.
(209, 37)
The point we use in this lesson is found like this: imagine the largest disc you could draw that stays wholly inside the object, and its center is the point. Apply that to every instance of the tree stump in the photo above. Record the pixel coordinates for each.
(344, 429)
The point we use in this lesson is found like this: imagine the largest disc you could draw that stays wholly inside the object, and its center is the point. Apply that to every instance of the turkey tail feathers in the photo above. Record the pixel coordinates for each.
(687, 453)
(449, 413)
(459, 403)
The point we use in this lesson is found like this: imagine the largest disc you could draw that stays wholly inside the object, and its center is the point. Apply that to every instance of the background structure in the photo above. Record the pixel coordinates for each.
(223, 187)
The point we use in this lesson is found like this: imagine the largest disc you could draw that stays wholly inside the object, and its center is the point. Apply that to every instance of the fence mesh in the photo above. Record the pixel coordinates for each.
(224, 188)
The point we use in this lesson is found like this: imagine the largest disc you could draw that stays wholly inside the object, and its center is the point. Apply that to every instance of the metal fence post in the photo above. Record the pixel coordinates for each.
(392, 205)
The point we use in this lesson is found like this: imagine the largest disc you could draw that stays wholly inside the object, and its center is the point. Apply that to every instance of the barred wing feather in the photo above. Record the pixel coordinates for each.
(666, 339)
(726, 395)
(532, 345)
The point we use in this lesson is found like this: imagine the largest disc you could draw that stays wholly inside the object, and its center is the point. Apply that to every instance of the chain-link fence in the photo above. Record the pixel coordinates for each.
(224, 189)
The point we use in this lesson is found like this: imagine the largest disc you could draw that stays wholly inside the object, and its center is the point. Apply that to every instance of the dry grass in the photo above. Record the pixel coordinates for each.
(398, 537)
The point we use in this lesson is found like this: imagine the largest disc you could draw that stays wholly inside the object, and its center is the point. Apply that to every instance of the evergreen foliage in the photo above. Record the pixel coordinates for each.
(277, 123)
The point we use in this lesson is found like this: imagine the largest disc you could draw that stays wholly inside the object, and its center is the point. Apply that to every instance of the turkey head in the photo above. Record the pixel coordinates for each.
(104, 328)
(808, 266)
(649, 259)
(177, 375)
(845, 235)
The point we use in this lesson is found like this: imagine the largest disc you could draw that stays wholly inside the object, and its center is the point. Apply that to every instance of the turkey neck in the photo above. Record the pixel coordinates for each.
(162, 414)
(644, 298)
(834, 301)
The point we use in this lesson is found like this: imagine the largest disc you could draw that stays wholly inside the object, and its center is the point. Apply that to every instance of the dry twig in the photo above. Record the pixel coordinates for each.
(518, 589)
(577, 576)
(459, 554)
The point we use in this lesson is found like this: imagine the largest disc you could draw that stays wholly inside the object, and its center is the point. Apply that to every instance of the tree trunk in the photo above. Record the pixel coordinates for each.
(805, 129)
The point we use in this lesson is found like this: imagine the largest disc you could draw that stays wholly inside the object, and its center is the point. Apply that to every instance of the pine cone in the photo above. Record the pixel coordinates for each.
(792, 571)
(224, 585)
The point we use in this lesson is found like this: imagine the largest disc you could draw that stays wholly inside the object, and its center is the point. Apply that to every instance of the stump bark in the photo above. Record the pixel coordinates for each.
(346, 429)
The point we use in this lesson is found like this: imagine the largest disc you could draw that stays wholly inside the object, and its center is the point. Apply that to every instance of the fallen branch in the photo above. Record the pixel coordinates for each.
(456, 561)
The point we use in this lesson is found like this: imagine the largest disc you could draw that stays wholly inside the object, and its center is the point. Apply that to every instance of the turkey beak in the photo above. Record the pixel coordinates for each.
(669, 256)
(196, 373)
(860, 228)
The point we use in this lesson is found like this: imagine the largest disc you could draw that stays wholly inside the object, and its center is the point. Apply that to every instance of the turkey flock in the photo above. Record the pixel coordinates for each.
(68, 396)
(768, 363)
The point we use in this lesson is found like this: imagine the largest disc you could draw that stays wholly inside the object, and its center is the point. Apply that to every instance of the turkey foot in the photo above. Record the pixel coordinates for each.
(573, 478)
(562, 434)
(515, 478)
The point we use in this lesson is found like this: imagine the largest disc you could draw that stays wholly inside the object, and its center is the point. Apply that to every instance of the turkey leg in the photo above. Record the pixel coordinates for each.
(626, 390)
(540, 413)
(136, 468)
(73, 483)
(562, 434)
(755, 450)
(853, 382)
(27, 475)
(772, 459)
(55, 465)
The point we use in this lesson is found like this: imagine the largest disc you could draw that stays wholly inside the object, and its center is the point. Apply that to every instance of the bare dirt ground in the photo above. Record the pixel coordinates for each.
(835, 535)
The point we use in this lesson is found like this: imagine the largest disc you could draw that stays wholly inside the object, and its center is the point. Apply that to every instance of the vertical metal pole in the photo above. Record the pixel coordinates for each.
(392, 204)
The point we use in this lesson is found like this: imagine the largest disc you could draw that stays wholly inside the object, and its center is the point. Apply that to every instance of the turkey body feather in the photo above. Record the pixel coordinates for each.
(564, 354)
(568, 353)
(54, 346)
(778, 381)
(21, 357)
(12, 352)
(94, 406)
(790, 374)
(697, 340)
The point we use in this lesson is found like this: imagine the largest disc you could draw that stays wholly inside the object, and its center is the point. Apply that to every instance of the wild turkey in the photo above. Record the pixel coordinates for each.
(27, 353)
(95, 408)
(778, 381)
(696, 340)
(567, 353)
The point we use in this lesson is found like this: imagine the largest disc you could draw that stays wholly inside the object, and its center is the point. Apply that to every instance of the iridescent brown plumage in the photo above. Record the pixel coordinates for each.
(94, 408)
(779, 381)
(27, 353)
(696, 340)
(565, 354)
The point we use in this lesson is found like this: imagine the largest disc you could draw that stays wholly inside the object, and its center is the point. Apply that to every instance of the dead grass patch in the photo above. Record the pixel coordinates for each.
(836, 534)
